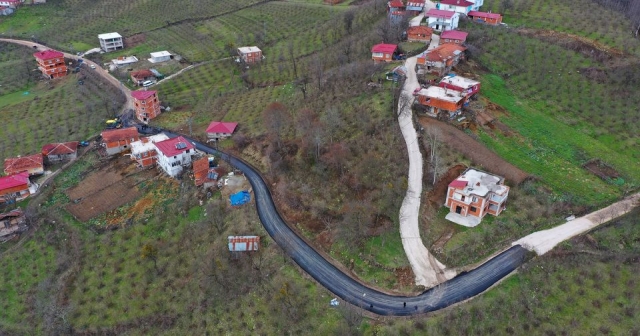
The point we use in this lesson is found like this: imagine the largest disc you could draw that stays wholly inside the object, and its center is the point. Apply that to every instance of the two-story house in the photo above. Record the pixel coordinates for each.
(467, 86)
(473, 195)
(439, 100)
(144, 151)
(441, 20)
(442, 59)
(146, 104)
(119, 140)
(174, 154)
(51, 63)
(458, 6)
(250, 54)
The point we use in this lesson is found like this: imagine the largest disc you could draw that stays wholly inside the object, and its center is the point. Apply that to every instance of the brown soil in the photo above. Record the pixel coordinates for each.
(134, 40)
(380, 224)
(436, 196)
(480, 155)
(601, 169)
(589, 48)
(438, 246)
(405, 276)
(104, 200)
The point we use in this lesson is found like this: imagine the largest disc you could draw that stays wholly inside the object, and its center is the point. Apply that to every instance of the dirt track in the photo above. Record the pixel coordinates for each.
(481, 156)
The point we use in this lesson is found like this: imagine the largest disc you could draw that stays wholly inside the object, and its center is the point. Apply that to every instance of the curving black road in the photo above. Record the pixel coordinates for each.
(460, 288)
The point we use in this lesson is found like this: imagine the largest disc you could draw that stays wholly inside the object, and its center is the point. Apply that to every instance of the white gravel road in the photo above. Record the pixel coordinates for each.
(428, 271)
(544, 241)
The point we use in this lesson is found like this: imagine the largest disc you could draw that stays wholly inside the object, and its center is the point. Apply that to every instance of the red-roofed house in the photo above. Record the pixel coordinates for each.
(51, 63)
(146, 104)
(458, 6)
(14, 187)
(473, 195)
(31, 164)
(395, 6)
(441, 59)
(140, 76)
(173, 154)
(453, 36)
(11, 3)
(461, 84)
(440, 101)
(490, 18)
(60, 151)
(118, 140)
(441, 20)
(383, 52)
(218, 130)
(419, 34)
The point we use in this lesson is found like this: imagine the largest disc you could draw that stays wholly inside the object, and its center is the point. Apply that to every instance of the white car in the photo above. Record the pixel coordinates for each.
(92, 66)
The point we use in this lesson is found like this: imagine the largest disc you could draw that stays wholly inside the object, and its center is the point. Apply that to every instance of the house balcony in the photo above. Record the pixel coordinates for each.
(498, 199)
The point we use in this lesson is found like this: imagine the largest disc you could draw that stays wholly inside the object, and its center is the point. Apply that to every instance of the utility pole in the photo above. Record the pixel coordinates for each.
(190, 121)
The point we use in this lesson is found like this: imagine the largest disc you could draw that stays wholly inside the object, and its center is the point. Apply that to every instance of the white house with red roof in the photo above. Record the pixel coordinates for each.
(60, 151)
(174, 154)
(383, 52)
(219, 130)
(441, 20)
(458, 6)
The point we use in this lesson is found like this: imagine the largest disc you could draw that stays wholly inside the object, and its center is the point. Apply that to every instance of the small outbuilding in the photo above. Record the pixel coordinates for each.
(250, 54)
(243, 243)
(453, 37)
(160, 56)
(489, 18)
(219, 130)
(384, 52)
(60, 151)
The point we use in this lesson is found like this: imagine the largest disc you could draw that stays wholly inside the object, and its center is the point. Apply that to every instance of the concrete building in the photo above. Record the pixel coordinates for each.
(111, 42)
(174, 154)
(144, 151)
(160, 56)
(119, 140)
(146, 104)
(51, 63)
(250, 54)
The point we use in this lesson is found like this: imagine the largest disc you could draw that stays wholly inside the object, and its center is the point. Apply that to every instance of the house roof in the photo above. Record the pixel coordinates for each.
(24, 163)
(174, 146)
(13, 213)
(458, 184)
(60, 148)
(222, 127)
(454, 35)
(416, 3)
(460, 3)
(443, 52)
(458, 81)
(245, 50)
(146, 144)
(142, 74)
(160, 53)
(15, 180)
(143, 94)
(202, 172)
(420, 30)
(48, 54)
(441, 94)
(440, 13)
(484, 15)
(395, 4)
(477, 182)
(243, 243)
(384, 48)
(119, 134)
(107, 36)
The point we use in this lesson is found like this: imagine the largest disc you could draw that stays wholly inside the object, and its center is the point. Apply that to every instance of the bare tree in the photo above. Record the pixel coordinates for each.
(348, 20)
(149, 251)
(506, 5)
(333, 121)
(433, 138)
(276, 120)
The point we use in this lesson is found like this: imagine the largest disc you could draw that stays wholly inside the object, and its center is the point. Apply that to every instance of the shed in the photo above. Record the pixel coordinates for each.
(243, 243)
(160, 56)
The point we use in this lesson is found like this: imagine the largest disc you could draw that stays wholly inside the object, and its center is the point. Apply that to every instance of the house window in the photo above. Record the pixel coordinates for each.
(462, 198)
(474, 199)
(175, 157)
(447, 40)
(473, 209)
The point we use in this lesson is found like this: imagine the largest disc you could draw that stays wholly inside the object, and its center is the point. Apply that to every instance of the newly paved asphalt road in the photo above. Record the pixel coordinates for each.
(460, 288)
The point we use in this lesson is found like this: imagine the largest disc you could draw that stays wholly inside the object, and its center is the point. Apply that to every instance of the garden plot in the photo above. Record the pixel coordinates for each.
(106, 189)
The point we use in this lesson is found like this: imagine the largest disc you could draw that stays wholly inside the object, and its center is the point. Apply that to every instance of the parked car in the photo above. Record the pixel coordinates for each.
(147, 83)
(92, 66)
(83, 143)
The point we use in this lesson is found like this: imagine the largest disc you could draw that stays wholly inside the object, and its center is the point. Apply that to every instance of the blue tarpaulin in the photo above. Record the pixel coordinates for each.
(240, 198)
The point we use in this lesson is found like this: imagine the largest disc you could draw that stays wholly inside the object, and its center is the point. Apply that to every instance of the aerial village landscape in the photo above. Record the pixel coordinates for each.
(216, 168)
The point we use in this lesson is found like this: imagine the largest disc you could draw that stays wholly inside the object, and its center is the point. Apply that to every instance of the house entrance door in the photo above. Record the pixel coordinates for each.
(458, 209)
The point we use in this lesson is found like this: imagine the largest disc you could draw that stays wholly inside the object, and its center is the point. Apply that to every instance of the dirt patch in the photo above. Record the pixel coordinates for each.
(438, 246)
(134, 40)
(325, 239)
(104, 200)
(380, 224)
(480, 155)
(601, 169)
(405, 276)
(436, 196)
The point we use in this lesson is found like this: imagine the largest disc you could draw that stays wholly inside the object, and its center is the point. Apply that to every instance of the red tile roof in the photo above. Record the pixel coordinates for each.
(48, 54)
(384, 48)
(120, 134)
(142, 74)
(454, 35)
(170, 147)
(200, 170)
(416, 3)
(62, 148)
(461, 3)
(444, 52)
(142, 94)
(420, 30)
(222, 127)
(12, 181)
(484, 15)
(458, 184)
(440, 13)
(20, 164)
(395, 4)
